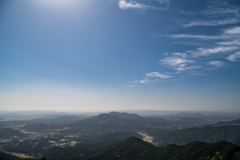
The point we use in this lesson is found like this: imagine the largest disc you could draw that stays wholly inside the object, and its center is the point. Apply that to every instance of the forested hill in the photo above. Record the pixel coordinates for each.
(9, 132)
(135, 149)
(206, 134)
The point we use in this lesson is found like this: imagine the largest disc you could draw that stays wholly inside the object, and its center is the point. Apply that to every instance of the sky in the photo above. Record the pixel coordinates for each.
(108, 55)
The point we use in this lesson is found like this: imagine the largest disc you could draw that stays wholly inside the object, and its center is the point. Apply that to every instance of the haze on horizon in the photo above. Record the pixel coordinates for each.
(108, 55)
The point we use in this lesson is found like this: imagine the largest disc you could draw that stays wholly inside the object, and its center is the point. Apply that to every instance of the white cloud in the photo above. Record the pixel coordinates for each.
(183, 55)
(188, 68)
(157, 74)
(230, 43)
(176, 62)
(235, 30)
(151, 77)
(213, 22)
(216, 63)
(208, 51)
(218, 13)
(179, 62)
(228, 34)
(205, 37)
(234, 56)
(227, 41)
(144, 81)
(125, 5)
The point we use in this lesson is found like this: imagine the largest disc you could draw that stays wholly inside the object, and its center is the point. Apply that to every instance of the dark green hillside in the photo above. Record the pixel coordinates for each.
(5, 156)
(106, 139)
(206, 134)
(30, 147)
(129, 148)
(106, 123)
(112, 122)
(193, 151)
(9, 132)
(40, 146)
(126, 115)
(134, 148)
(103, 124)
(136, 117)
(183, 121)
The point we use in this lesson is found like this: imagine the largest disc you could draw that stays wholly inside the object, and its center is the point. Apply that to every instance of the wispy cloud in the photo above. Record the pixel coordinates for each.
(230, 43)
(226, 34)
(216, 63)
(134, 4)
(151, 77)
(209, 51)
(210, 47)
(226, 42)
(212, 22)
(179, 62)
(176, 62)
(123, 4)
(217, 14)
(224, 9)
(157, 75)
(205, 37)
(234, 56)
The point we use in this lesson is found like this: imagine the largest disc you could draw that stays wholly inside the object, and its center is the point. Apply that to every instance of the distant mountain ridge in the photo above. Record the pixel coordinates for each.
(228, 123)
(114, 122)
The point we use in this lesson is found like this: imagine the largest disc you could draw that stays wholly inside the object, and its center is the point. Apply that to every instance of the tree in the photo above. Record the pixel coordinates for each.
(215, 157)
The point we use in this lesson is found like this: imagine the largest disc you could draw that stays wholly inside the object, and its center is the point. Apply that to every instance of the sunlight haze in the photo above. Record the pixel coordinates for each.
(113, 55)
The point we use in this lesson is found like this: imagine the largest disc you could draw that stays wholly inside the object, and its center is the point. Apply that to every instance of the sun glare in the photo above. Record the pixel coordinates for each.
(58, 4)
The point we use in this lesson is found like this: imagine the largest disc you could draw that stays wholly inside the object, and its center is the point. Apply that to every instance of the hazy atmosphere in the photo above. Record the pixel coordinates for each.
(105, 55)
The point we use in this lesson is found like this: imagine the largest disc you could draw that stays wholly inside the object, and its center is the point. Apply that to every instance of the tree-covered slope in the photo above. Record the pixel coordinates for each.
(206, 134)
(9, 132)
(92, 142)
(194, 151)
(134, 148)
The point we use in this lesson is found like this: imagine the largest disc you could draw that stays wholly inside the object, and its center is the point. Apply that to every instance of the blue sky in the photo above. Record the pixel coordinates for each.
(91, 55)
